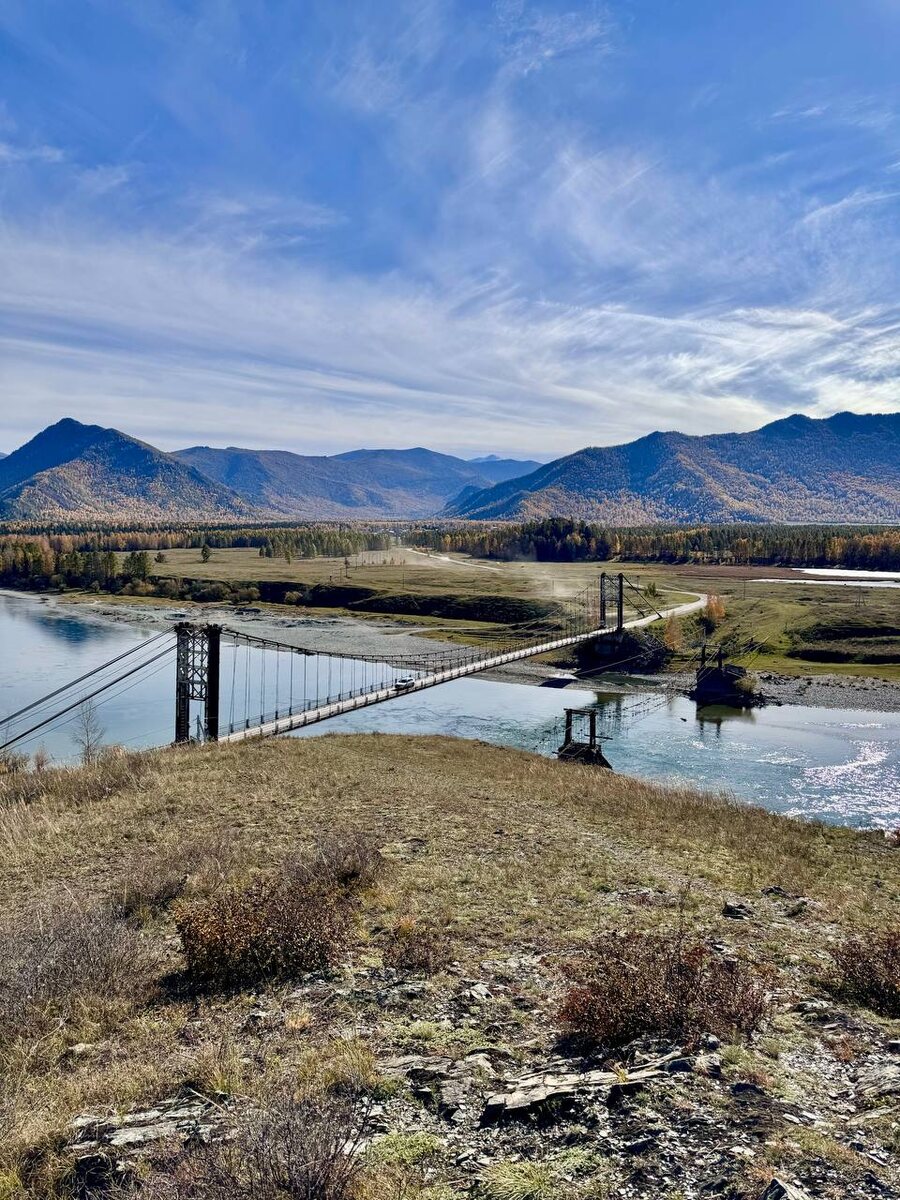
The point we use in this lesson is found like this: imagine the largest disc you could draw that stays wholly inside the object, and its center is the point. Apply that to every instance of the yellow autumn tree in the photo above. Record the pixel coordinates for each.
(672, 634)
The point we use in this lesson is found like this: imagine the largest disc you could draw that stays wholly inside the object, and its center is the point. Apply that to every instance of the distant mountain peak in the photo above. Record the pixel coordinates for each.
(72, 469)
(361, 484)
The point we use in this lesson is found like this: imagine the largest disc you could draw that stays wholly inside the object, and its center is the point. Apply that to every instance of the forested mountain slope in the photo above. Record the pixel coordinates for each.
(70, 469)
(843, 468)
(360, 483)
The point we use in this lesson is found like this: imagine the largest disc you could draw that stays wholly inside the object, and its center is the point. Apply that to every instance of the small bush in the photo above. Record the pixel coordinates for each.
(292, 1146)
(282, 925)
(633, 984)
(405, 1149)
(150, 884)
(414, 945)
(271, 928)
(868, 971)
(351, 860)
(713, 614)
(345, 1066)
(12, 763)
(64, 959)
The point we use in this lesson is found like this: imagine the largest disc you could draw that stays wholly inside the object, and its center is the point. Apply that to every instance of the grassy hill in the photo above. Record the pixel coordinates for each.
(844, 468)
(365, 952)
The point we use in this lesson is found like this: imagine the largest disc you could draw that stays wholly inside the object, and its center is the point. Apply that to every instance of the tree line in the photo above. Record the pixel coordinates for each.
(273, 541)
(873, 548)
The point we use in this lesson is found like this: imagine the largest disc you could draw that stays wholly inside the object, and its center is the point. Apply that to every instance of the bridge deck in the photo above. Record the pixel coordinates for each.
(336, 708)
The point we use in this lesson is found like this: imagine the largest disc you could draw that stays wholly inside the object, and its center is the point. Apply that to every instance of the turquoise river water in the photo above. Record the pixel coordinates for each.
(838, 765)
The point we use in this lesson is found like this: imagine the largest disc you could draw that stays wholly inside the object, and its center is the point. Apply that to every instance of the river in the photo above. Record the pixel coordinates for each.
(840, 765)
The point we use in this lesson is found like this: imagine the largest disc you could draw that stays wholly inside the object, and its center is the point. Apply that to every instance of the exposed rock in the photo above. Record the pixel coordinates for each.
(640, 1145)
(779, 1190)
(186, 1115)
(680, 1065)
(736, 910)
(709, 1064)
(480, 992)
(559, 1087)
(881, 1080)
(745, 1088)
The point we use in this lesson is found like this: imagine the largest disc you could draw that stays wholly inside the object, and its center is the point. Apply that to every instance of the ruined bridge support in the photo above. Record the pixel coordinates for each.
(197, 672)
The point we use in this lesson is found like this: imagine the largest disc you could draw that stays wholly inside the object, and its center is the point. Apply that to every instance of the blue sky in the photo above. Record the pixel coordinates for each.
(519, 227)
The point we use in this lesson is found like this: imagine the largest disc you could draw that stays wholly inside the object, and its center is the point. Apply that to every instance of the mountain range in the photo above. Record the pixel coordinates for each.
(362, 484)
(85, 472)
(845, 468)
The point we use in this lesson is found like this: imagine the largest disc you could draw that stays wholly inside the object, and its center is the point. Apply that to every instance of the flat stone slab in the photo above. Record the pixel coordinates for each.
(184, 1116)
(538, 1093)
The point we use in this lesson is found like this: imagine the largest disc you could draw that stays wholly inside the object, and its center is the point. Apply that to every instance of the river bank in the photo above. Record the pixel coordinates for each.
(329, 633)
(836, 762)
(319, 630)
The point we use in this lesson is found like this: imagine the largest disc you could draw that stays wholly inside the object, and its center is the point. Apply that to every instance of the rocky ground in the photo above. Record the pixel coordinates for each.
(464, 1081)
(471, 1101)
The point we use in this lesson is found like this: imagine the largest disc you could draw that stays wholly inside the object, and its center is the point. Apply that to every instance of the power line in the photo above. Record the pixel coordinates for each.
(83, 700)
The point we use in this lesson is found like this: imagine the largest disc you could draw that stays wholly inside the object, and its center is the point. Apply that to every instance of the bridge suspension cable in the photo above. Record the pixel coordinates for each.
(89, 696)
(270, 692)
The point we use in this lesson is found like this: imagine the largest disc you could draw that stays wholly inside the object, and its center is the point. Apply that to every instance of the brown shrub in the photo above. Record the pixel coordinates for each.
(347, 859)
(65, 959)
(634, 984)
(292, 1146)
(868, 971)
(274, 927)
(414, 945)
(282, 925)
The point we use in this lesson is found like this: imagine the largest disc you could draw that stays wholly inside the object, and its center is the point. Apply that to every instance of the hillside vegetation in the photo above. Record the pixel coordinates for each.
(359, 485)
(798, 469)
(840, 469)
(469, 902)
(100, 474)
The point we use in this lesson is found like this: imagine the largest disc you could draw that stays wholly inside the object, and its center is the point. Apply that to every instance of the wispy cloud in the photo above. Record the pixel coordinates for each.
(477, 227)
(533, 37)
(12, 153)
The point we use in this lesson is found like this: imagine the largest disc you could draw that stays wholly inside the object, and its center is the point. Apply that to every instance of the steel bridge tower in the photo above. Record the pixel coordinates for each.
(612, 590)
(197, 672)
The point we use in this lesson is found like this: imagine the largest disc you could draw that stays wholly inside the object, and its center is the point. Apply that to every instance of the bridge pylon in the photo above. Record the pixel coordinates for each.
(197, 672)
(612, 588)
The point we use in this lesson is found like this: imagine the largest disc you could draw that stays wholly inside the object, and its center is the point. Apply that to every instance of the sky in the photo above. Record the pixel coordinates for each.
(516, 227)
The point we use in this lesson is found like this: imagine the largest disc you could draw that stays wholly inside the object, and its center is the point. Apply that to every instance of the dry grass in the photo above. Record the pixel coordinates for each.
(289, 1146)
(513, 841)
(527, 854)
(66, 960)
(271, 928)
(112, 772)
(149, 884)
(416, 945)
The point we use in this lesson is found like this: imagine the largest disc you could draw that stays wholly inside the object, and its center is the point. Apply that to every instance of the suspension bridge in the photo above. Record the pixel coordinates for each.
(230, 685)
